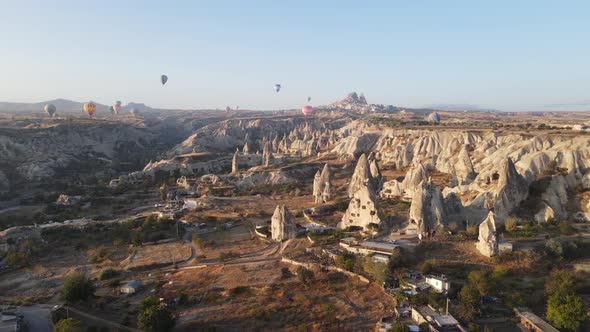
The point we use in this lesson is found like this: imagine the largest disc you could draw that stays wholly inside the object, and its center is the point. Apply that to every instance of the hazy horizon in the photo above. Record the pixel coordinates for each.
(529, 56)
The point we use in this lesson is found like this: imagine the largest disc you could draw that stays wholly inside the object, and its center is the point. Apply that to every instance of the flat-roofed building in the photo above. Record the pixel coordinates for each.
(531, 322)
(439, 283)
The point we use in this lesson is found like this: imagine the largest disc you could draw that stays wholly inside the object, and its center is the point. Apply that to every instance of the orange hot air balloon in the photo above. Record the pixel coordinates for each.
(307, 110)
(90, 109)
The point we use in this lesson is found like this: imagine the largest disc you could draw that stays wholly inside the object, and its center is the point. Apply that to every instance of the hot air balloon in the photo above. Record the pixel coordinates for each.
(434, 117)
(112, 109)
(117, 107)
(164, 79)
(134, 112)
(90, 109)
(277, 87)
(308, 99)
(50, 109)
(307, 110)
(227, 109)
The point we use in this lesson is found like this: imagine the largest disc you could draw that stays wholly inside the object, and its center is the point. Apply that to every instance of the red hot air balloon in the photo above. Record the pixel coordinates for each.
(307, 110)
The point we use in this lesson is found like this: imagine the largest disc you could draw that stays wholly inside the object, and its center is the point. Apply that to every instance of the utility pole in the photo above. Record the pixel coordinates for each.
(447, 306)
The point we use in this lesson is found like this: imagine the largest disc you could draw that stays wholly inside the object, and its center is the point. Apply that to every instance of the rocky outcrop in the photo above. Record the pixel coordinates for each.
(31, 155)
(415, 175)
(427, 212)
(376, 178)
(555, 198)
(282, 226)
(352, 146)
(511, 190)
(322, 185)
(363, 210)
(463, 168)
(361, 176)
(235, 162)
(545, 214)
(487, 243)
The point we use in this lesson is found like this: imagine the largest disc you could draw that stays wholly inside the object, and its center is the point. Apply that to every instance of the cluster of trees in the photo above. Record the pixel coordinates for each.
(152, 316)
(565, 309)
(479, 283)
(151, 229)
(363, 265)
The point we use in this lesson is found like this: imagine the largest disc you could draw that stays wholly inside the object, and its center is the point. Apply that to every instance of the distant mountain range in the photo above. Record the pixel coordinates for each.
(63, 106)
(461, 108)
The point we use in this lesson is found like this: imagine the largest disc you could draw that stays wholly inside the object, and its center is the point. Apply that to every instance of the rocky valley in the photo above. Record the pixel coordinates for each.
(360, 207)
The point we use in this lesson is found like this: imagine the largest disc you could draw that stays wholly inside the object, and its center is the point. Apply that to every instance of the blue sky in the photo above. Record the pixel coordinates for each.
(510, 55)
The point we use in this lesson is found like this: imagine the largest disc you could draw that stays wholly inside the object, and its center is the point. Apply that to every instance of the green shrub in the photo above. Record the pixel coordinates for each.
(77, 288)
(109, 273)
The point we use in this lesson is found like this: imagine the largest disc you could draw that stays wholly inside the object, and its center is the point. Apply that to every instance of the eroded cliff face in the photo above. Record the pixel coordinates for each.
(288, 134)
(490, 170)
(34, 155)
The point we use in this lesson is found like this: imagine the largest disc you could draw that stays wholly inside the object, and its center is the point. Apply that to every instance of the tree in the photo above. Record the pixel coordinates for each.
(164, 192)
(399, 327)
(565, 312)
(77, 288)
(345, 261)
(468, 302)
(378, 271)
(510, 225)
(147, 302)
(68, 325)
(482, 281)
(560, 283)
(155, 318)
(436, 300)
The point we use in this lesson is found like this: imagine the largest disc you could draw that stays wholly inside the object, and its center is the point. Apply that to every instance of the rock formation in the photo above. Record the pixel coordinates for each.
(377, 179)
(463, 168)
(363, 209)
(322, 185)
(427, 213)
(415, 175)
(234, 163)
(511, 189)
(282, 226)
(488, 240)
(361, 176)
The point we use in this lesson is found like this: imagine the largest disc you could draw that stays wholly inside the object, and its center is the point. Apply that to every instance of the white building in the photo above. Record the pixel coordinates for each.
(439, 283)
(130, 287)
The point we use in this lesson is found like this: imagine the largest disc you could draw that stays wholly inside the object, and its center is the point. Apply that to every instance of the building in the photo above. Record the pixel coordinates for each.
(10, 322)
(190, 185)
(131, 287)
(437, 322)
(439, 283)
(528, 321)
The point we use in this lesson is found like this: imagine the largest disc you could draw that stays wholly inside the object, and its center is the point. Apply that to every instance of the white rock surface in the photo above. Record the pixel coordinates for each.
(487, 243)
(282, 226)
